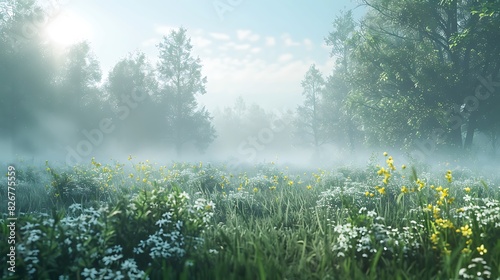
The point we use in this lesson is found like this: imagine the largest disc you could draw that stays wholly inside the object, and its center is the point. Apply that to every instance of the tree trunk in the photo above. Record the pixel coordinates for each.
(455, 137)
(471, 128)
(350, 135)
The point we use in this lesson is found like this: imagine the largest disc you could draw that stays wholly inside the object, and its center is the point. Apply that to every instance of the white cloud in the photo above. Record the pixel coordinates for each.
(285, 57)
(326, 47)
(270, 41)
(288, 40)
(270, 83)
(165, 29)
(308, 44)
(255, 50)
(220, 36)
(247, 35)
(197, 40)
(200, 41)
(235, 46)
(242, 34)
(150, 42)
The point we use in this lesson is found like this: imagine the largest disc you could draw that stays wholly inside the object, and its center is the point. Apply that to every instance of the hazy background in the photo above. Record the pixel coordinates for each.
(296, 82)
(254, 49)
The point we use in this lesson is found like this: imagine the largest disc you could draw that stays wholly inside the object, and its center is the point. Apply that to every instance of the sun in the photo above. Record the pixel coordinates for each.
(68, 29)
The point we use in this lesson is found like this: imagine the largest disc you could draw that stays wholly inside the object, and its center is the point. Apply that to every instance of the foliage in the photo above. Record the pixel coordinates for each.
(181, 80)
(268, 223)
(139, 237)
(415, 67)
(131, 91)
(310, 120)
(81, 185)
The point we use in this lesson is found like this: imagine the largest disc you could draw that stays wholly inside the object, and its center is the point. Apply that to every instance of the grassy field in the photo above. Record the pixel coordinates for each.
(142, 220)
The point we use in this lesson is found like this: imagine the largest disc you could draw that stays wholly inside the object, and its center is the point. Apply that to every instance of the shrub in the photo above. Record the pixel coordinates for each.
(154, 233)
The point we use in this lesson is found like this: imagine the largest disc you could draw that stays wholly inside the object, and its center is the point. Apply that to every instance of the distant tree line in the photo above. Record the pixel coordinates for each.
(149, 105)
(418, 75)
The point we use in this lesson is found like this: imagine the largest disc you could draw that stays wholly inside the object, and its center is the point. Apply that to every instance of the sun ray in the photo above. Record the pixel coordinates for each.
(68, 29)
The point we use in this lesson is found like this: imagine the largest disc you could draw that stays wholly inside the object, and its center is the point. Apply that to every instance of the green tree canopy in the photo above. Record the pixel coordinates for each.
(180, 81)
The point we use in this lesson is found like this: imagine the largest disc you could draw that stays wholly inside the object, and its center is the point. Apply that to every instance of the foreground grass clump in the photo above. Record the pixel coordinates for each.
(154, 233)
(196, 221)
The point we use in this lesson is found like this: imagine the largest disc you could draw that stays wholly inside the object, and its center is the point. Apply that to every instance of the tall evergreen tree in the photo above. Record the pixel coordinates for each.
(310, 122)
(180, 81)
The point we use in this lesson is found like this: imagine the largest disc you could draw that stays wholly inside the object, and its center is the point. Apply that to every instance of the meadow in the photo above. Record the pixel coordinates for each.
(142, 220)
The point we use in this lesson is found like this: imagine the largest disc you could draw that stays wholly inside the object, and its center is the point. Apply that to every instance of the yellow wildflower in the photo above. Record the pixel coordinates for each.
(444, 193)
(448, 176)
(435, 238)
(390, 163)
(465, 230)
(420, 184)
(404, 189)
(466, 251)
(380, 190)
(444, 223)
(467, 189)
(482, 250)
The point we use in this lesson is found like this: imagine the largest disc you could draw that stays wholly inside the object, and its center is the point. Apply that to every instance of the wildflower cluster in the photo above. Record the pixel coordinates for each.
(119, 242)
(373, 224)
(83, 183)
(447, 230)
(476, 269)
(442, 195)
(448, 176)
(387, 174)
(81, 238)
(259, 182)
(331, 199)
(368, 234)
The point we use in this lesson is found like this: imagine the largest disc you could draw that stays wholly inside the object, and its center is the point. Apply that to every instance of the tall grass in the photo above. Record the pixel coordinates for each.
(384, 222)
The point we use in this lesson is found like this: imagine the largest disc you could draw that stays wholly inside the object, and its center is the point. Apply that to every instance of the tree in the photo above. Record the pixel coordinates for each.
(309, 123)
(26, 72)
(80, 75)
(339, 117)
(416, 70)
(79, 96)
(180, 81)
(131, 89)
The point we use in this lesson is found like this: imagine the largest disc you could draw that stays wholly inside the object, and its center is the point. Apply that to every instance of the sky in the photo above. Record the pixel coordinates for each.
(259, 50)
